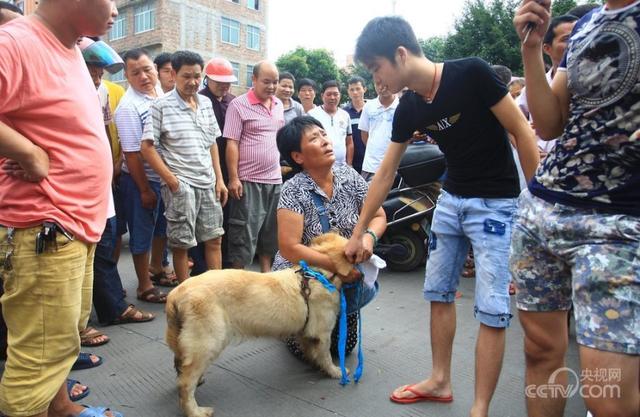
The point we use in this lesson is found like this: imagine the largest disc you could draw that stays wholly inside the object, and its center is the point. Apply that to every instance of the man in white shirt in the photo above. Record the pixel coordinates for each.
(554, 45)
(336, 122)
(376, 123)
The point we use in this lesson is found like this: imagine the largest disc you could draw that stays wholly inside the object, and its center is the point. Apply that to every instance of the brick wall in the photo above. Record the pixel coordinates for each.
(196, 25)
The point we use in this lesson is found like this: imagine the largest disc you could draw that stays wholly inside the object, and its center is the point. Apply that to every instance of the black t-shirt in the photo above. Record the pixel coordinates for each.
(475, 145)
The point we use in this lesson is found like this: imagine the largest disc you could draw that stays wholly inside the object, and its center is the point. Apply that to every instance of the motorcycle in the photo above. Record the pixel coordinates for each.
(409, 207)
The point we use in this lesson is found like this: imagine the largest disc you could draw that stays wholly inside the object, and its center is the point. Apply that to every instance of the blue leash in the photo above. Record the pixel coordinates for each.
(342, 329)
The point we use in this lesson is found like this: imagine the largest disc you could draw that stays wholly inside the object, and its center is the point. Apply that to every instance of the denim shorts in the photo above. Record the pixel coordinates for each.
(563, 256)
(141, 221)
(485, 224)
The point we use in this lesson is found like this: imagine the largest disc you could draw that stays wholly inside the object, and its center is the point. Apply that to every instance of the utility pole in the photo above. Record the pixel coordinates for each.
(393, 6)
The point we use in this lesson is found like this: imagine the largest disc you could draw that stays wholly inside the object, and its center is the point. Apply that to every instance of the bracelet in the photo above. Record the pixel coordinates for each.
(373, 235)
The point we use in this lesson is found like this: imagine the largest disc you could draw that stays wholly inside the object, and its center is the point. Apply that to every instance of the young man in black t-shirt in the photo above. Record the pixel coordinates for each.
(468, 111)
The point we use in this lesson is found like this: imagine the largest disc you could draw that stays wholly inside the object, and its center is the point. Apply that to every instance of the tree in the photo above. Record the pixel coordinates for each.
(486, 30)
(433, 48)
(317, 64)
(360, 71)
(560, 7)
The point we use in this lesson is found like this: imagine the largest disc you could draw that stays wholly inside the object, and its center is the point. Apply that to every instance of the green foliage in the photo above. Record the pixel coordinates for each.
(485, 30)
(317, 64)
(360, 71)
(433, 48)
(560, 7)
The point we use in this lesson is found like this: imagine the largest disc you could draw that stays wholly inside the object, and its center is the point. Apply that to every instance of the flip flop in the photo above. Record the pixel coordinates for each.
(98, 412)
(70, 384)
(418, 396)
(84, 362)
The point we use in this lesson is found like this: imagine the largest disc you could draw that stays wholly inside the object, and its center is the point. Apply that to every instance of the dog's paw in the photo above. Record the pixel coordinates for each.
(334, 372)
(202, 412)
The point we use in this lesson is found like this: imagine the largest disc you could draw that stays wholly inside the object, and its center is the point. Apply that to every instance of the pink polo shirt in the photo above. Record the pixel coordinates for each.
(255, 126)
(47, 95)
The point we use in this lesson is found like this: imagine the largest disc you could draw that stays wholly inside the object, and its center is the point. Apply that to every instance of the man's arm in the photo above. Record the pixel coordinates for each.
(27, 161)
(380, 186)
(350, 150)
(549, 106)
(149, 153)
(364, 135)
(232, 157)
(221, 189)
(136, 170)
(512, 119)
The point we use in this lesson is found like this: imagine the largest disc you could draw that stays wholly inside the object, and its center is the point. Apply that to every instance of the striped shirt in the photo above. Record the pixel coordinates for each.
(254, 127)
(130, 117)
(183, 137)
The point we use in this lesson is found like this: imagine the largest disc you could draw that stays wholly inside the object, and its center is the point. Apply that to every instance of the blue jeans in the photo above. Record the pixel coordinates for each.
(108, 297)
(485, 223)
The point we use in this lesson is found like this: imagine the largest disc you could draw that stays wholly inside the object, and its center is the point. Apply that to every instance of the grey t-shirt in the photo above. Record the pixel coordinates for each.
(184, 137)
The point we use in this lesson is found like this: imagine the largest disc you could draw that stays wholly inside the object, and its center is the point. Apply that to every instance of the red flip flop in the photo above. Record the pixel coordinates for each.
(418, 396)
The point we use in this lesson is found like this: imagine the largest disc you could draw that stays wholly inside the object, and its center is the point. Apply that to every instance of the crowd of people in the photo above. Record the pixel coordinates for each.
(541, 188)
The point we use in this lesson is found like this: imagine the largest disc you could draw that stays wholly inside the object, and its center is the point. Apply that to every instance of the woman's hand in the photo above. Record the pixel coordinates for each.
(367, 247)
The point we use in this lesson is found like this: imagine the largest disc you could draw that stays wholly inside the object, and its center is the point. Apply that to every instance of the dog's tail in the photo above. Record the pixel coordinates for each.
(174, 326)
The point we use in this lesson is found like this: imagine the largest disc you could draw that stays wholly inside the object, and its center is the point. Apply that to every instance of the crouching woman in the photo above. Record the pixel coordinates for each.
(322, 196)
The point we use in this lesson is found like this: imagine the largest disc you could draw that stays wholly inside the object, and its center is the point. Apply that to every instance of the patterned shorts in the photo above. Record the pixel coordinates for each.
(562, 255)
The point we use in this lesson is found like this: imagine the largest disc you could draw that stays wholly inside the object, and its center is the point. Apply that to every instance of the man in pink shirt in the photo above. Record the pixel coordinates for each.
(54, 189)
(253, 163)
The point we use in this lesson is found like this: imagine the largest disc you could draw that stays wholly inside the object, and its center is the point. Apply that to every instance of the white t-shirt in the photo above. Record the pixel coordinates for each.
(377, 120)
(338, 127)
(521, 101)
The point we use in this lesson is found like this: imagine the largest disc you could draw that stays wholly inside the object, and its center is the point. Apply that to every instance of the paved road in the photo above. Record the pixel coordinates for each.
(260, 378)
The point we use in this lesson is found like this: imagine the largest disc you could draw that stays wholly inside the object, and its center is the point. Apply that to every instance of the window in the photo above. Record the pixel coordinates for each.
(253, 38)
(236, 72)
(230, 31)
(253, 4)
(249, 75)
(235, 1)
(144, 18)
(119, 29)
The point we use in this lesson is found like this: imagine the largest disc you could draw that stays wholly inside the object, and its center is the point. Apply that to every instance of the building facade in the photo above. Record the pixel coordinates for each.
(232, 29)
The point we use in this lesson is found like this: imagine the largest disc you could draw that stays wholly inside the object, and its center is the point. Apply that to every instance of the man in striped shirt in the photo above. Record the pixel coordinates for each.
(253, 162)
(179, 143)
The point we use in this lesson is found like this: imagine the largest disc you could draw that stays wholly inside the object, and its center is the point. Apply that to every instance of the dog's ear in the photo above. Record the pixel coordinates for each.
(332, 244)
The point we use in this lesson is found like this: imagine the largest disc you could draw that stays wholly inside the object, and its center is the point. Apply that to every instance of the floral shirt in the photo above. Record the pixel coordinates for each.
(349, 191)
(596, 162)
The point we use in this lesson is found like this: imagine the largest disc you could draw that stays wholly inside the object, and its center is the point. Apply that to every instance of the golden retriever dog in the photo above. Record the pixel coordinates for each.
(208, 312)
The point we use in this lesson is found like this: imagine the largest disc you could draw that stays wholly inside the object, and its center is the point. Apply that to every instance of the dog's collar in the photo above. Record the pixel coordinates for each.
(305, 290)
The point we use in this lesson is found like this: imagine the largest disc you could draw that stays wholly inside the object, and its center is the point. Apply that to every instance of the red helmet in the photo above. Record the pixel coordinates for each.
(220, 70)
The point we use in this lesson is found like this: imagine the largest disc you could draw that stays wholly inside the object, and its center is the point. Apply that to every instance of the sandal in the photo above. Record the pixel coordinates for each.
(512, 288)
(85, 361)
(165, 280)
(71, 383)
(153, 295)
(89, 335)
(133, 315)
